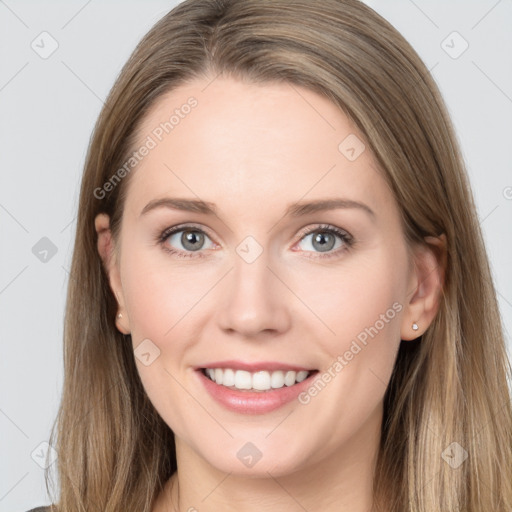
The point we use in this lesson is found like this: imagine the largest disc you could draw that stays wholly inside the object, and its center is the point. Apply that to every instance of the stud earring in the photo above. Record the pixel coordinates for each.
(415, 326)
(120, 315)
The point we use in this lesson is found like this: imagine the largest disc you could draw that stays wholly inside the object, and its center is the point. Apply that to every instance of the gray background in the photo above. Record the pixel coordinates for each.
(47, 110)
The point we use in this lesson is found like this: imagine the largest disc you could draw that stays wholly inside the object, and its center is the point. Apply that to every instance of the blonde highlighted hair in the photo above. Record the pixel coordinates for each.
(451, 386)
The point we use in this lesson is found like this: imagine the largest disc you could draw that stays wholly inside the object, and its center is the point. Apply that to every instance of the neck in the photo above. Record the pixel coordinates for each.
(343, 482)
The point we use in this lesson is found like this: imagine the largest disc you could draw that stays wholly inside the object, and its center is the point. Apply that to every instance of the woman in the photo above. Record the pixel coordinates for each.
(333, 341)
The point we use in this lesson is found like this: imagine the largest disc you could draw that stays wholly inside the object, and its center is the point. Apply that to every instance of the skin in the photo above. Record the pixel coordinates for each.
(253, 150)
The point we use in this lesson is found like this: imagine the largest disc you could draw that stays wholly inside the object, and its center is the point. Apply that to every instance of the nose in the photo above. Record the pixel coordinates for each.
(254, 301)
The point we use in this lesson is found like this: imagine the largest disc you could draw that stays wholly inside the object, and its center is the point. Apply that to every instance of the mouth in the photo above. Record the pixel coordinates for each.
(254, 388)
(259, 381)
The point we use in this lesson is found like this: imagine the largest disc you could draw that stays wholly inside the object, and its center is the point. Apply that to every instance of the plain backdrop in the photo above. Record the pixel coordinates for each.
(48, 106)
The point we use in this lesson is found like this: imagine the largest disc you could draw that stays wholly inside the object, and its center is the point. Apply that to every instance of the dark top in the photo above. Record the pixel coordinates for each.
(39, 509)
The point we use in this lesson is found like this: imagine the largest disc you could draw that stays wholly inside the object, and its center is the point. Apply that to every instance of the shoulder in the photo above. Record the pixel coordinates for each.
(39, 509)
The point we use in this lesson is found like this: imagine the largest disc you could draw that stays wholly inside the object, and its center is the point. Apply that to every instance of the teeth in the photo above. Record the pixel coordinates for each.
(289, 378)
(228, 377)
(243, 380)
(259, 381)
(301, 375)
(277, 379)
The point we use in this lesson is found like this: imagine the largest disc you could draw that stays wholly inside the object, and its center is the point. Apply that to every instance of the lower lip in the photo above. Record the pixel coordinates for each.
(253, 402)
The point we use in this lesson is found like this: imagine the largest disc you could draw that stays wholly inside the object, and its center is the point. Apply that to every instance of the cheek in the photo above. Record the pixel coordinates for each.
(365, 293)
(160, 300)
(164, 301)
(160, 294)
(364, 310)
(362, 305)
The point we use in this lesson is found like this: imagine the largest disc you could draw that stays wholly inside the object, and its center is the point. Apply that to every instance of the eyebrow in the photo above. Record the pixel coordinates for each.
(298, 209)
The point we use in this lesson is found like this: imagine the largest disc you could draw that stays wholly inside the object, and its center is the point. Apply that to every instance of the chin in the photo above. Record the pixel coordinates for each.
(256, 458)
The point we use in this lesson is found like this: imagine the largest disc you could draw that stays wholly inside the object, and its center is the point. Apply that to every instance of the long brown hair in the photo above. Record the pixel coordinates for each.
(114, 451)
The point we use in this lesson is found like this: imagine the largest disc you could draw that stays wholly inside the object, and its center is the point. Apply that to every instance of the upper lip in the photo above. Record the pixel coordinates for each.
(255, 366)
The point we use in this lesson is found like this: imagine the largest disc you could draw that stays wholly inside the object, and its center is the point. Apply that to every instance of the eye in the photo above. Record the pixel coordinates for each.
(188, 239)
(326, 239)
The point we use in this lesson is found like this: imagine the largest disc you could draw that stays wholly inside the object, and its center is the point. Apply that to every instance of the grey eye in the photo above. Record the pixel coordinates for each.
(191, 240)
(322, 240)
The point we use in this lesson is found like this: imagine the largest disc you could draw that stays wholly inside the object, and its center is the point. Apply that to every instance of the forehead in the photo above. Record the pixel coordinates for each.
(245, 145)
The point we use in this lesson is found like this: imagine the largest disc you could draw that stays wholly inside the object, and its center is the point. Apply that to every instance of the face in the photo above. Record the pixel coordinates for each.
(304, 305)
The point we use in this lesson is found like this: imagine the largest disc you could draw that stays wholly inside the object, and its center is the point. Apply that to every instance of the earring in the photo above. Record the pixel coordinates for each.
(120, 315)
(415, 326)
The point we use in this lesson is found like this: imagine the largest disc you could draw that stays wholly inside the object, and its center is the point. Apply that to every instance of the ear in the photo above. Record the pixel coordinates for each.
(107, 253)
(425, 286)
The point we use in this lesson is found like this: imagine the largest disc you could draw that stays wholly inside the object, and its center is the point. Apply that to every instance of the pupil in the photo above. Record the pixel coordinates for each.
(190, 239)
(321, 239)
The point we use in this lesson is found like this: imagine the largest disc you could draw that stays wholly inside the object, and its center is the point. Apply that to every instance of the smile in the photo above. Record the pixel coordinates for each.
(254, 388)
(255, 381)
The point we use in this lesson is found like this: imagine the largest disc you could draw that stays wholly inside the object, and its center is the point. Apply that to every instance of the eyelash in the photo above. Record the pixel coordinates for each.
(347, 239)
